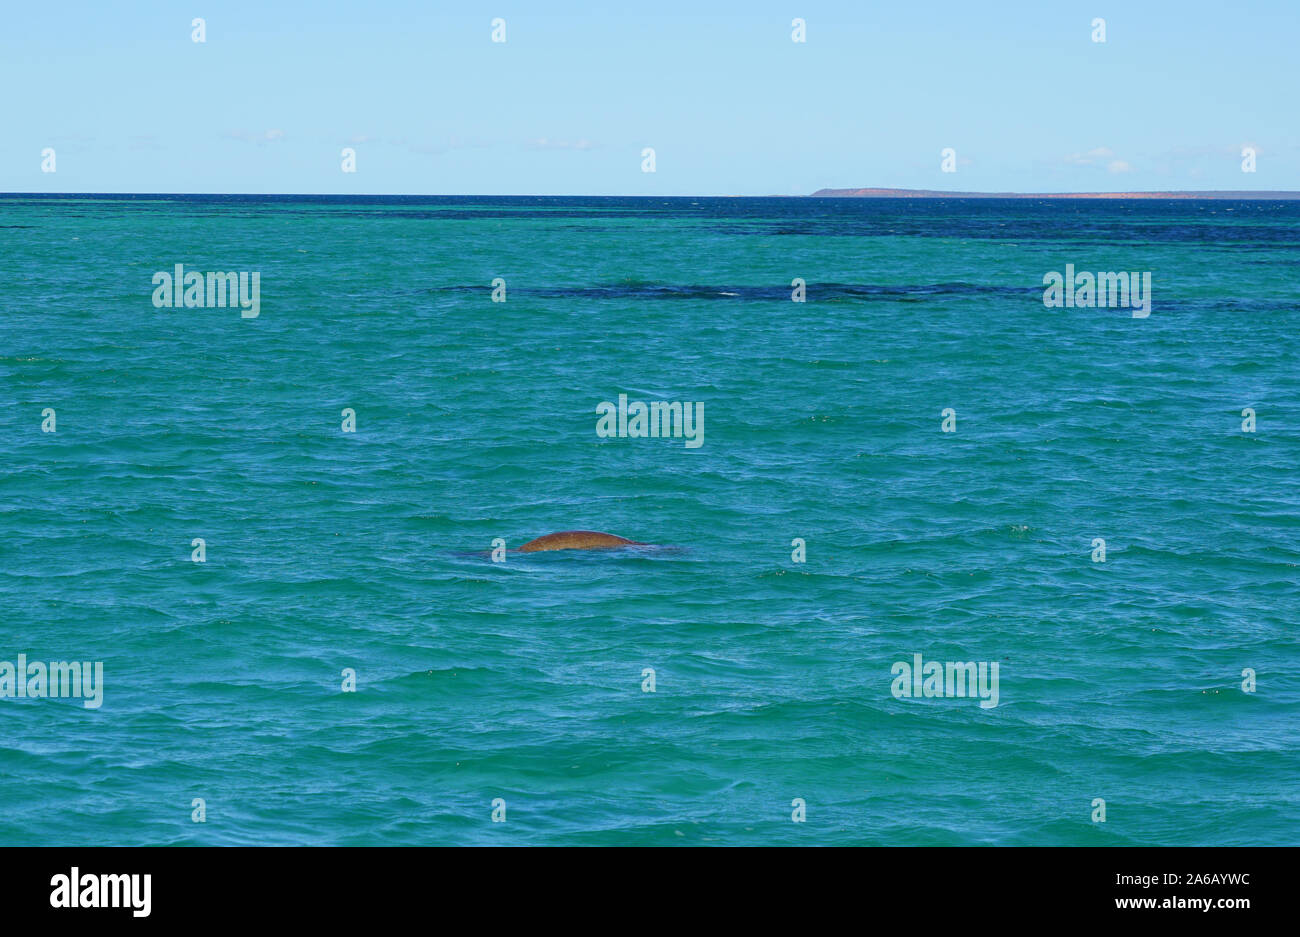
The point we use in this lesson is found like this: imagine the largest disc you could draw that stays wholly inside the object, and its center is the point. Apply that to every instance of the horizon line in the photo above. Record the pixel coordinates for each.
(823, 193)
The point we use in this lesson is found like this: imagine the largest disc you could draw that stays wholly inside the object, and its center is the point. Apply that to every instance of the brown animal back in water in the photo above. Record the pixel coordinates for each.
(576, 540)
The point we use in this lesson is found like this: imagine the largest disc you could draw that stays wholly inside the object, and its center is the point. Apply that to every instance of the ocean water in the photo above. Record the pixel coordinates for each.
(524, 682)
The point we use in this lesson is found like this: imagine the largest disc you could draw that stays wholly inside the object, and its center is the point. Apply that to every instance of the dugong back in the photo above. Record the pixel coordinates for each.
(576, 540)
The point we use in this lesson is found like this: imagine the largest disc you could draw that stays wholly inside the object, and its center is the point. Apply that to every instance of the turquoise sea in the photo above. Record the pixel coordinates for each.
(525, 682)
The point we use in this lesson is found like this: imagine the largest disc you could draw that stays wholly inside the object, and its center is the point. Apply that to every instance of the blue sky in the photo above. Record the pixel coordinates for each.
(729, 103)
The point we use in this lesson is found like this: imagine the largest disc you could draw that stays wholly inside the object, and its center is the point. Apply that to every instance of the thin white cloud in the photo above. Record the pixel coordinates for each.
(267, 136)
(1093, 157)
(546, 143)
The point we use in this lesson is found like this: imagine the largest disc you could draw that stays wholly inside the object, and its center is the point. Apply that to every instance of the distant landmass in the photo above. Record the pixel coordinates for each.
(934, 193)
